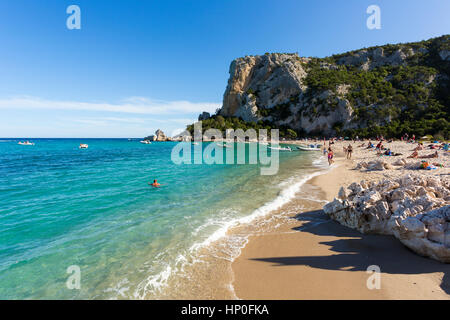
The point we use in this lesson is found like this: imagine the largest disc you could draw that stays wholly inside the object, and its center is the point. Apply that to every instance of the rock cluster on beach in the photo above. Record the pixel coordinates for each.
(374, 165)
(414, 209)
(390, 163)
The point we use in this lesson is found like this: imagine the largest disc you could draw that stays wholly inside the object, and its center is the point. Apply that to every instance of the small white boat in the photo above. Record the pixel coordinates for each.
(310, 148)
(83, 146)
(281, 148)
(195, 143)
(145, 142)
(224, 145)
(26, 143)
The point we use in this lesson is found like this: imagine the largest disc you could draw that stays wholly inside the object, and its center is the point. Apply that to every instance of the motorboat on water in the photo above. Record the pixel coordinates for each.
(83, 146)
(26, 143)
(145, 141)
(311, 147)
(281, 148)
(224, 145)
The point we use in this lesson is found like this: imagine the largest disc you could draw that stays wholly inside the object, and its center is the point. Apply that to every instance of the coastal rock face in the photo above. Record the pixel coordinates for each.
(160, 136)
(445, 54)
(266, 80)
(370, 59)
(329, 95)
(342, 113)
(428, 234)
(259, 86)
(416, 210)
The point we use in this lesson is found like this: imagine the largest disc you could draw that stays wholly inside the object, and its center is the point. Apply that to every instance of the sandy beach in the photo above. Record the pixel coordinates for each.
(311, 256)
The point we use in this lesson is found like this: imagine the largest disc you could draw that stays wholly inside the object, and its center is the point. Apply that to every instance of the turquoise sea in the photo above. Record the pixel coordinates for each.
(62, 206)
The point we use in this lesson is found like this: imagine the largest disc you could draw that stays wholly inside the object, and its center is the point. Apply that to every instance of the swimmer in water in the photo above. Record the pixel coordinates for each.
(154, 184)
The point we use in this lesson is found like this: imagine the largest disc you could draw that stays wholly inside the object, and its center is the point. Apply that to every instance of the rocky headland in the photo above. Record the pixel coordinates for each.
(386, 90)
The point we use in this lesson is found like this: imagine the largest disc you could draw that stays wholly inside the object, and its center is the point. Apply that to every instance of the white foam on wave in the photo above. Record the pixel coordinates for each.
(236, 242)
(321, 162)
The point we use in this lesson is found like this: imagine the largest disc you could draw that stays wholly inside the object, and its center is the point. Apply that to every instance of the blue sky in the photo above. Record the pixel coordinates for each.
(139, 65)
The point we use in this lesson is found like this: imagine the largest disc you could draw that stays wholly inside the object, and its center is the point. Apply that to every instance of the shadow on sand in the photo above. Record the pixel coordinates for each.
(356, 251)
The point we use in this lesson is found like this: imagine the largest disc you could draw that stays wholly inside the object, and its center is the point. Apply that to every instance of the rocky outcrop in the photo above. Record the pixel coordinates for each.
(265, 81)
(427, 234)
(159, 136)
(416, 210)
(204, 116)
(288, 90)
(341, 113)
(445, 55)
(370, 59)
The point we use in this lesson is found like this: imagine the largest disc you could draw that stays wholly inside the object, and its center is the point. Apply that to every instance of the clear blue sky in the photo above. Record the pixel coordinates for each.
(139, 65)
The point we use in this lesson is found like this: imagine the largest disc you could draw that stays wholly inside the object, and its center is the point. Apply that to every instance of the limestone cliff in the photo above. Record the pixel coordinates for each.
(264, 80)
(159, 136)
(379, 86)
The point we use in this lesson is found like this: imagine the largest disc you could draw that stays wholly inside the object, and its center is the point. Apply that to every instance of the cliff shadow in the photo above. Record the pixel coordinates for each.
(355, 251)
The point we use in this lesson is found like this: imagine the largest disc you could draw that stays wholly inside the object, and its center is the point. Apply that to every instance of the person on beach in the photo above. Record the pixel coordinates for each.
(349, 151)
(419, 147)
(413, 155)
(330, 157)
(433, 155)
(379, 146)
(155, 184)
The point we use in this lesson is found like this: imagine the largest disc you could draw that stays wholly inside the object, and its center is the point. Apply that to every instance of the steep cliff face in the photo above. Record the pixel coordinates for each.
(263, 81)
(367, 87)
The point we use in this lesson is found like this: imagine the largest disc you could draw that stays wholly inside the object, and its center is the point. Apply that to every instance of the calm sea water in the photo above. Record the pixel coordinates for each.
(62, 206)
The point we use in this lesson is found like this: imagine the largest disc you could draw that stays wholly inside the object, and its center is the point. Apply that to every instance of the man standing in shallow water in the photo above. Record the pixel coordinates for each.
(330, 156)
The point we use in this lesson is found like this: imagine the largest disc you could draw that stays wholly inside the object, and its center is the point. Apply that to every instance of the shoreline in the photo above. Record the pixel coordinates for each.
(313, 257)
(204, 271)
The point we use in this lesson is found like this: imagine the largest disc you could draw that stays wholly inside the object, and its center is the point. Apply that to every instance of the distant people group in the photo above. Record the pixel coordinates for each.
(382, 150)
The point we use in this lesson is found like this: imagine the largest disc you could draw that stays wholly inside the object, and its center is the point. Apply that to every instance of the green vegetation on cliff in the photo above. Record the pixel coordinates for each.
(385, 90)
(223, 123)
(390, 99)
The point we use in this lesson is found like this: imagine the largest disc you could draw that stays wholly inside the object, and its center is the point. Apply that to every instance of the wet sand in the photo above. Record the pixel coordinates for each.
(313, 257)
